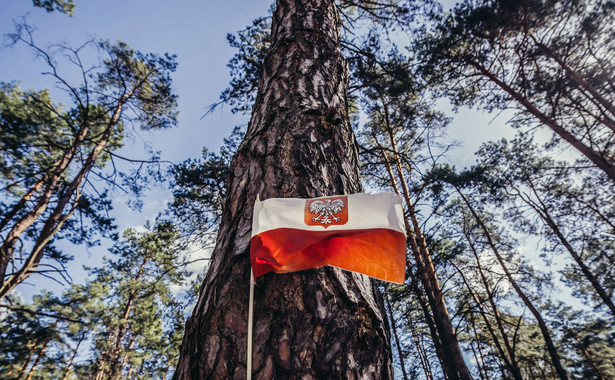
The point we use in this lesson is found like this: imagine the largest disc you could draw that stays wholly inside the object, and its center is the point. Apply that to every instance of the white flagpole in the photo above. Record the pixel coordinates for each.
(250, 322)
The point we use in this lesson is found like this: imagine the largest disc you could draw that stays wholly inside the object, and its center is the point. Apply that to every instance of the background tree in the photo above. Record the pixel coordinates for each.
(553, 59)
(199, 192)
(133, 336)
(41, 340)
(532, 188)
(401, 128)
(49, 153)
(128, 316)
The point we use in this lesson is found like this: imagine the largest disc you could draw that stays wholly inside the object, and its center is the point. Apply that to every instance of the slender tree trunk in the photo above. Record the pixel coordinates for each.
(117, 367)
(557, 365)
(420, 349)
(418, 292)
(166, 372)
(42, 351)
(453, 363)
(602, 162)
(21, 203)
(6, 252)
(109, 359)
(24, 368)
(315, 324)
(592, 363)
(482, 367)
(513, 366)
(38, 359)
(396, 337)
(494, 336)
(433, 331)
(543, 211)
(72, 358)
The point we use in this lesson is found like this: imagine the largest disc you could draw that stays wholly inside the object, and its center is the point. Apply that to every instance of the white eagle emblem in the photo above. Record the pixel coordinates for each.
(326, 211)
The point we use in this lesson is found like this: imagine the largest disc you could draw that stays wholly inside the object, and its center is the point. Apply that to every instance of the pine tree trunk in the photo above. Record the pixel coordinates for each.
(420, 293)
(601, 161)
(72, 358)
(316, 324)
(551, 349)
(512, 364)
(400, 352)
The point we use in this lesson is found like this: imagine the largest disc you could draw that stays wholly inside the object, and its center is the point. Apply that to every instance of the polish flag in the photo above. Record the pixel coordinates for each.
(363, 233)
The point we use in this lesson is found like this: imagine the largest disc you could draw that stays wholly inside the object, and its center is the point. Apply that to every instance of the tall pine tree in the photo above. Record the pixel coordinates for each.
(322, 323)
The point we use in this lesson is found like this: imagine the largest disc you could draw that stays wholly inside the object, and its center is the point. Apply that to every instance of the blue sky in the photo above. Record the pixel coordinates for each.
(196, 32)
(193, 30)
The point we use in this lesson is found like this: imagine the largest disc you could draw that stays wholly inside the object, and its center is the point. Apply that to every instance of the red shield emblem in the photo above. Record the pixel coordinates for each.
(329, 211)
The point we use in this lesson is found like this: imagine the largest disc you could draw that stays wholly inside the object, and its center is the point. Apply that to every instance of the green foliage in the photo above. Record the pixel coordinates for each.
(140, 325)
(252, 44)
(142, 79)
(50, 152)
(551, 61)
(129, 312)
(66, 7)
(199, 191)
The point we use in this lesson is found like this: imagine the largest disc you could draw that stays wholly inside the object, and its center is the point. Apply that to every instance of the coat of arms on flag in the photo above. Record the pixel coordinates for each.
(363, 233)
(326, 211)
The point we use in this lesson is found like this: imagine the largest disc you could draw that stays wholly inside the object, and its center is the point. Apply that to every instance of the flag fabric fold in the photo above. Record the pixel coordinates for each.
(363, 233)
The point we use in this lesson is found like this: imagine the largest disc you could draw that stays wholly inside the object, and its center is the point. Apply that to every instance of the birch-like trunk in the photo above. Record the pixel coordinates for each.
(316, 324)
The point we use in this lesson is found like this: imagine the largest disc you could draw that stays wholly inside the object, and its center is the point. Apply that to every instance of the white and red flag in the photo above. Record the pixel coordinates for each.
(363, 233)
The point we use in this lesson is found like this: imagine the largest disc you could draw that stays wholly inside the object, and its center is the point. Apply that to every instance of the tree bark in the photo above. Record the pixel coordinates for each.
(316, 324)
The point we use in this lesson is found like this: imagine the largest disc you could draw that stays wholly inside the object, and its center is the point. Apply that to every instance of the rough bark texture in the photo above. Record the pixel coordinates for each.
(317, 324)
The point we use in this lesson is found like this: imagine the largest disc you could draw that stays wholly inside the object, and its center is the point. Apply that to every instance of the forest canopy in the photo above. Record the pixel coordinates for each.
(510, 254)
